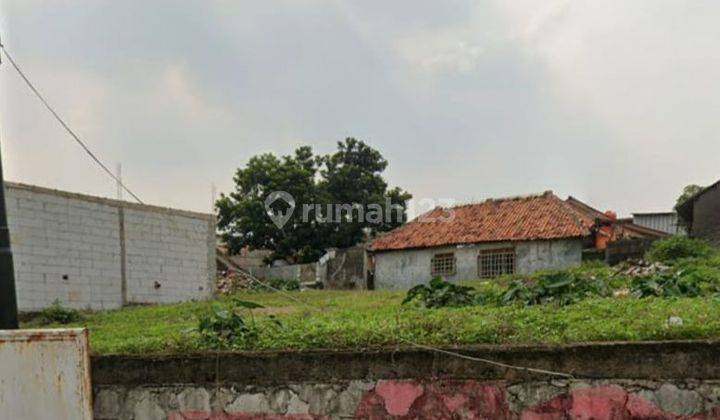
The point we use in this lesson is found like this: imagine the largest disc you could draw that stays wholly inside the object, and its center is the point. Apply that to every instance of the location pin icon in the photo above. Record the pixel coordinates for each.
(279, 218)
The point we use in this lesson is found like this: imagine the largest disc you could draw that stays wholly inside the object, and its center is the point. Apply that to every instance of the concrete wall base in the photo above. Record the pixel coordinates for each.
(656, 380)
(616, 399)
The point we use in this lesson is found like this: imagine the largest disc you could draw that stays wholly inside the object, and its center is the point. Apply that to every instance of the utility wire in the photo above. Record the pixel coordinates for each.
(248, 275)
(65, 126)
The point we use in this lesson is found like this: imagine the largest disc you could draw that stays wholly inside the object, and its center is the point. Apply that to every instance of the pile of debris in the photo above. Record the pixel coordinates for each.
(641, 268)
(231, 281)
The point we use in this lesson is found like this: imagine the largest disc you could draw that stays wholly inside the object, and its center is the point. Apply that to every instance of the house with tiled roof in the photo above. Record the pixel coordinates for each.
(494, 237)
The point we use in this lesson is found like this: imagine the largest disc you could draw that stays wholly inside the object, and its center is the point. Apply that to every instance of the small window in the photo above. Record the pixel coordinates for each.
(496, 262)
(443, 264)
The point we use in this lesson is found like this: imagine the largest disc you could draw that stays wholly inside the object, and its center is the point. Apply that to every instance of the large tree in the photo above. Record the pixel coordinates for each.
(335, 202)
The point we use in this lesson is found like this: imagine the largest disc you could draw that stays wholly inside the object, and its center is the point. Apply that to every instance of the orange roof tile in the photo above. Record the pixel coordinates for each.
(543, 216)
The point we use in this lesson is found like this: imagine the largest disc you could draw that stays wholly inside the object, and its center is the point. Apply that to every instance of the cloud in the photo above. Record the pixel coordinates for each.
(611, 101)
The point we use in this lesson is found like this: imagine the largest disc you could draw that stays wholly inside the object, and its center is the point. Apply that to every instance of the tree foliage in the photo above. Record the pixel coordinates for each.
(352, 176)
(676, 248)
(687, 193)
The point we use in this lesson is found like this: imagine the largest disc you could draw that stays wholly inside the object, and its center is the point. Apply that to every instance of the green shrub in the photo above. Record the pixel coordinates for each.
(675, 248)
(561, 287)
(665, 285)
(275, 284)
(283, 284)
(57, 314)
(223, 327)
(439, 294)
(688, 277)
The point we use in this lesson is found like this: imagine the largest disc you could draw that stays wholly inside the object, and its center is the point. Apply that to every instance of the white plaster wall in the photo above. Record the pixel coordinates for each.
(67, 247)
(541, 255)
(407, 268)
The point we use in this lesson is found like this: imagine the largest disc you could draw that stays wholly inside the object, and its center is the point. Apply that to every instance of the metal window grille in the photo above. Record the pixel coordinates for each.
(496, 262)
(443, 264)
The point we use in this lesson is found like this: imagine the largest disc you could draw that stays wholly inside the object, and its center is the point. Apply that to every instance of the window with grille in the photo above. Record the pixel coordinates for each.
(443, 264)
(496, 262)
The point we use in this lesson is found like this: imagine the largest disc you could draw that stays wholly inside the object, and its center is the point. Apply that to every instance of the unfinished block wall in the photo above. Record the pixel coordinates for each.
(94, 253)
(174, 251)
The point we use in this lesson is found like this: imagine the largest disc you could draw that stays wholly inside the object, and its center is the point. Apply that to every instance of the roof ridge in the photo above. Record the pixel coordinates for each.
(574, 213)
(546, 193)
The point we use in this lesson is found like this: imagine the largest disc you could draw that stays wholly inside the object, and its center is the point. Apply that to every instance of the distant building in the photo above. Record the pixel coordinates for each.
(702, 213)
(496, 237)
(663, 221)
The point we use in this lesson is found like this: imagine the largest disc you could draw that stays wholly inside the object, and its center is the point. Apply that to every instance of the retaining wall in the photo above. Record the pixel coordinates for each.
(97, 253)
(610, 381)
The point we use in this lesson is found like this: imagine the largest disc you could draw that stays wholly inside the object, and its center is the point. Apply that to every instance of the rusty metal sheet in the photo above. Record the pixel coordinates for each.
(45, 374)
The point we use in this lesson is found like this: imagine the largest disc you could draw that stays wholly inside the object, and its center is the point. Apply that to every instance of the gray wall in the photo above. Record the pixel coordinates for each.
(96, 253)
(611, 381)
(405, 269)
(300, 272)
(344, 269)
(347, 269)
(664, 222)
(706, 216)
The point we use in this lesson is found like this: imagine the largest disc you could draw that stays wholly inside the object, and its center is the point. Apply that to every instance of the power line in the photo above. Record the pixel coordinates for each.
(66, 127)
(250, 276)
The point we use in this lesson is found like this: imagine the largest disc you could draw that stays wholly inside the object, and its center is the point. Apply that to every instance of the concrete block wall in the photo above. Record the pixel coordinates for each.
(167, 256)
(404, 269)
(63, 249)
(94, 253)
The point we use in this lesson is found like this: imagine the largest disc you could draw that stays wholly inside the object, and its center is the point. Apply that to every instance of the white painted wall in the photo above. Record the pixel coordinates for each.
(406, 268)
(69, 247)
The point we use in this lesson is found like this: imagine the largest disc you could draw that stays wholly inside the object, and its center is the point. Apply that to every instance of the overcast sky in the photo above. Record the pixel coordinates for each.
(614, 102)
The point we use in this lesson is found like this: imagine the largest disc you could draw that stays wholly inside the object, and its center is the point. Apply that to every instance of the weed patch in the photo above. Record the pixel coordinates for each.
(58, 314)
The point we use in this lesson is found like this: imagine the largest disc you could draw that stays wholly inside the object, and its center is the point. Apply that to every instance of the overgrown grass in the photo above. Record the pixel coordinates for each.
(326, 319)
(361, 320)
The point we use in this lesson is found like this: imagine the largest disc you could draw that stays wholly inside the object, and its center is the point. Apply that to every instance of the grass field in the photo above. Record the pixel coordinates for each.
(357, 319)
(590, 303)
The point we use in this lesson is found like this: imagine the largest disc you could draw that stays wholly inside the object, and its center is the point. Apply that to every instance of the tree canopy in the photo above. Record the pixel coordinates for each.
(334, 200)
(687, 193)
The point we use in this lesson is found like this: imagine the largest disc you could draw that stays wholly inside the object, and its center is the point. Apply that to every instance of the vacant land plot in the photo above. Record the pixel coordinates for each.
(377, 319)
(676, 297)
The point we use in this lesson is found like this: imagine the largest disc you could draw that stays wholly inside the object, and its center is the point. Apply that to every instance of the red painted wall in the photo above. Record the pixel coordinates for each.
(411, 399)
